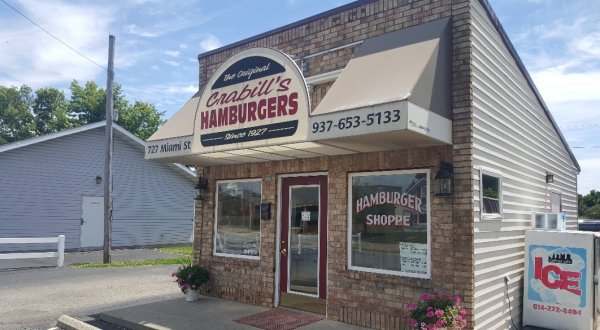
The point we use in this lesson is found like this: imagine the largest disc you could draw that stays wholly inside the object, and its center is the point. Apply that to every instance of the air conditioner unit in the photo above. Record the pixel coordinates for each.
(550, 221)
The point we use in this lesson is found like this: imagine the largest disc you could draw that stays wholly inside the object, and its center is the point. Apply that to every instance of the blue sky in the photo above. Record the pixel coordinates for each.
(157, 43)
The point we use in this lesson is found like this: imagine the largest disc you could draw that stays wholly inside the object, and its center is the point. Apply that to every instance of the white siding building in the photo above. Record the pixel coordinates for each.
(53, 184)
(515, 140)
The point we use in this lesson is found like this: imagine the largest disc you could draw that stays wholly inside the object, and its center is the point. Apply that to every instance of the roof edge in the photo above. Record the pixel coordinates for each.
(488, 8)
(287, 27)
(136, 141)
(51, 136)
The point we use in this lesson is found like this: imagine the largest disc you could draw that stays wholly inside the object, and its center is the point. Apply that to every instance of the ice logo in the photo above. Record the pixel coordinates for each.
(557, 275)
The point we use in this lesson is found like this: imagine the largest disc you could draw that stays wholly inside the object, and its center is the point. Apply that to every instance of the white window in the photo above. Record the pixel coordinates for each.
(237, 214)
(389, 223)
(491, 195)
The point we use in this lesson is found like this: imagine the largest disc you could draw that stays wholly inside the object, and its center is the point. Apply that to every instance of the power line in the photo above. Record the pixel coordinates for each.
(581, 125)
(53, 36)
(585, 147)
(579, 84)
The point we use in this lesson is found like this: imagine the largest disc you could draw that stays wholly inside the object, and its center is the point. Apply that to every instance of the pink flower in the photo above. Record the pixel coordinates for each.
(439, 312)
(425, 297)
(457, 300)
(411, 306)
(430, 314)
(459, 318)
(413, 323)
(463, 312)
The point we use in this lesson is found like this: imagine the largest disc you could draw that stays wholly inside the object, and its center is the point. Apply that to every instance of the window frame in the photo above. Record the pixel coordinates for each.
(216, 221)
(491, 216)
(427, 172)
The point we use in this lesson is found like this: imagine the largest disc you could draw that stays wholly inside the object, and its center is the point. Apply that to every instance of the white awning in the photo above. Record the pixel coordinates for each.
(412, 64)
(171, 139)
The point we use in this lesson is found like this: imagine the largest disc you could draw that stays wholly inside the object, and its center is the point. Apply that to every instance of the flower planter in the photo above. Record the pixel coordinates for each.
(190, 278)
(191, 295)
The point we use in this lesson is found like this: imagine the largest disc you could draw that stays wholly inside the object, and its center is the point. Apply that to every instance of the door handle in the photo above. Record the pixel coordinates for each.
(82, 221)
(284, 252)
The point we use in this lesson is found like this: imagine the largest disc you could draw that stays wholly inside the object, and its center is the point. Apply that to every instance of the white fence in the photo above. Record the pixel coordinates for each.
(60, 255)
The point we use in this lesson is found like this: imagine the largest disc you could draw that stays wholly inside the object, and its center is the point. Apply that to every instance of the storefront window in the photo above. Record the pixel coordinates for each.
(389, 223)
(237, 230)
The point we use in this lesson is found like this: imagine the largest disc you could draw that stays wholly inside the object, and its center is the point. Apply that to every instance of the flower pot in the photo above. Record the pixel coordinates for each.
(191, 295)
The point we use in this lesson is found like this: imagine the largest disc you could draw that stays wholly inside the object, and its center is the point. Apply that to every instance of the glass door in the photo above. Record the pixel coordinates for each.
(303, 258)
(303, 243)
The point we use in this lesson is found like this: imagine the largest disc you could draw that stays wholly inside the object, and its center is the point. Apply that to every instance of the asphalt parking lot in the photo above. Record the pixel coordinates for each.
(35, 293)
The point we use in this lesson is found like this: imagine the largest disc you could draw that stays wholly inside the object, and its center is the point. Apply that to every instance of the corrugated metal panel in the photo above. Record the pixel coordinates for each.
(41, 189)
(511, 136)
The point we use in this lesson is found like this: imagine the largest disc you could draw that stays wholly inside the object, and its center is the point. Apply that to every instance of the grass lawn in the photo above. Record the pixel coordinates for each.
(184, 252)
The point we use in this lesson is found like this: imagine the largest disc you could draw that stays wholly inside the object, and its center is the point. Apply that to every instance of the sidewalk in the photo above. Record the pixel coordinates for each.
(138, 304)
(206, 313)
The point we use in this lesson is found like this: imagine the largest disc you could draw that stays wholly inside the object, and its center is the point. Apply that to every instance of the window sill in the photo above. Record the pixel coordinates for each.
(236, 256)
(491, 216)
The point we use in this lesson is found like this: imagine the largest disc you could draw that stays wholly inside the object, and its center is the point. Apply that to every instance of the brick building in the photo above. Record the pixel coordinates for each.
(360, 157)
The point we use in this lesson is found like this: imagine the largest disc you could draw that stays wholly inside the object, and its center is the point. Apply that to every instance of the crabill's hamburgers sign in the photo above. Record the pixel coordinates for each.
(258, 97)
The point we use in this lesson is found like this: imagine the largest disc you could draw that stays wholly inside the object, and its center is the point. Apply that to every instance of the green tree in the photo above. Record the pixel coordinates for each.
(593, 212)
(50, 110)
(142, 119)
(24, 114)
(88, 102)
(16, 120)
(588, 206)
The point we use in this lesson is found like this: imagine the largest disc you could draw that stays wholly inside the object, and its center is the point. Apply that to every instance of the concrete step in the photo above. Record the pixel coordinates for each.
(92, 322)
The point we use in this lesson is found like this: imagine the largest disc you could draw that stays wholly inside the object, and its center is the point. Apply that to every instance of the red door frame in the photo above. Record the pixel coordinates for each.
(321, 181)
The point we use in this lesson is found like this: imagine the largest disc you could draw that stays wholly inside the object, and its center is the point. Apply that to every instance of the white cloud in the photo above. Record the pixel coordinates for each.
(160, 89)
(173, 53)
(590, 172)
(172, 63)
(183, 46)
(136, 30)
(557, 84)
(182, 89)
(588, 44)
(37, 59)
(143, 2)
(210, 42)
(129, 58)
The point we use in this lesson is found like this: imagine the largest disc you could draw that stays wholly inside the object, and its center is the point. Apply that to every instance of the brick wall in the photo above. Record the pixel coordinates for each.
(350, 293)
(361, 298)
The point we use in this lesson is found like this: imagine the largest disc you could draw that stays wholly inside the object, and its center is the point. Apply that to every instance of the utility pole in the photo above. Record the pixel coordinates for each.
(109, 152)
